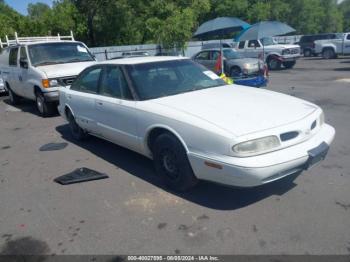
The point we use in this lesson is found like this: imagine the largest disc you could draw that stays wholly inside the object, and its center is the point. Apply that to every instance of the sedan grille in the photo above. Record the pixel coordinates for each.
(294, 51)
(289, 135)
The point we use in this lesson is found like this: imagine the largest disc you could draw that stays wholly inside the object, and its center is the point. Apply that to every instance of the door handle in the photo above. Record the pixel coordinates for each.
(69, 96)
(20, 78)
(99, 103)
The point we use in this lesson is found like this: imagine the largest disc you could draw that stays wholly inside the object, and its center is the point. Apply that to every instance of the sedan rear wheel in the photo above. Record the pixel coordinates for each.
(171, 163)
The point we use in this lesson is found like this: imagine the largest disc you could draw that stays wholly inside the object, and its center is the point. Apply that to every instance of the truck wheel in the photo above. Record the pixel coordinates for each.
(328, 53)
(289, 65)
(77, 132)
(273, 63)
(171, 163)
(45, 108)
(14, 99)
(307, 53)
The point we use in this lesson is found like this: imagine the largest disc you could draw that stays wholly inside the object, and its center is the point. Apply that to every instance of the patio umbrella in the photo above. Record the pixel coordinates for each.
(219, 27)
(264, 29)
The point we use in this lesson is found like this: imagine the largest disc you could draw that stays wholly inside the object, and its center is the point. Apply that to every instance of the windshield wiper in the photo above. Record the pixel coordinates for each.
(78, 60)
(47, 63)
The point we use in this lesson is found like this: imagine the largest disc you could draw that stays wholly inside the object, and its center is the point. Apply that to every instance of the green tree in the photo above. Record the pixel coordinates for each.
(37, 10)
(344, 8)
(172, 24)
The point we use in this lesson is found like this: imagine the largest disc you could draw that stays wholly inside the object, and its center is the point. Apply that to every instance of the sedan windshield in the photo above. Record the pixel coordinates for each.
(230, 54)
(58, 53)
(166, 78)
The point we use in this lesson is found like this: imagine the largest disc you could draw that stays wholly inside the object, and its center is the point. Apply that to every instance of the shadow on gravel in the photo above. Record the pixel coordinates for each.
(27, 106)
(205, 194)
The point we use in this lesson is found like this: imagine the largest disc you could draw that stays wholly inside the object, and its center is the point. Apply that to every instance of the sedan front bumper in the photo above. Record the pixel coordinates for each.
(261, 169)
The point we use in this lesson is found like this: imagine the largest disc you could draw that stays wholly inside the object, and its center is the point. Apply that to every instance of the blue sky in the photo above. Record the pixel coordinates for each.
(21, 5)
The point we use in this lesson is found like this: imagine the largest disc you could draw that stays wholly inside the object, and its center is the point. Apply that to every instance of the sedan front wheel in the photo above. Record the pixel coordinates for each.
(171, 163)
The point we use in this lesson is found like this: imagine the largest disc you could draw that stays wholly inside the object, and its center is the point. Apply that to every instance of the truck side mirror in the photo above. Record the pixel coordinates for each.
(23, 62)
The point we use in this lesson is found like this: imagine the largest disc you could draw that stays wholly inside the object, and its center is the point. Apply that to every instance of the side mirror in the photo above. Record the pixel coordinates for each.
(23, 62)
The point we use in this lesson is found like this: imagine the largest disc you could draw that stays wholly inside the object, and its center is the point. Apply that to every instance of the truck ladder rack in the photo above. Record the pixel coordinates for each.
(19, 40)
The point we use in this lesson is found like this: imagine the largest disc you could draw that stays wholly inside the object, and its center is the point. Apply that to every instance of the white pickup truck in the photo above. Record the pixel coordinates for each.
(275, 54)
(331, 48)
(36, 67)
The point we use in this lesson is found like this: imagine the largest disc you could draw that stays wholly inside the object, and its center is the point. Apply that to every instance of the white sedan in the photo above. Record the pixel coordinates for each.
(193, 125)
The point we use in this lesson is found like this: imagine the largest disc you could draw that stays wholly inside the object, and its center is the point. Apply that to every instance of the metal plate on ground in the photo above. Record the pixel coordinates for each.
(82, 174)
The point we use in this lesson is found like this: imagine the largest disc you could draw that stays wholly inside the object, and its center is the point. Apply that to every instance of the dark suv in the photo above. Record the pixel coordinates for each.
(307, 44)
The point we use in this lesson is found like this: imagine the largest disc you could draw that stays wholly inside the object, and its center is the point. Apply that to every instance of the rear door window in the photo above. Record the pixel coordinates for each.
(88, 81)
(113, 84)
(203, 55)
(13, 56)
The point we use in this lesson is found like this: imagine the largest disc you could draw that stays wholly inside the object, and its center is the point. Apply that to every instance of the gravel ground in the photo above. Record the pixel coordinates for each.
(131, 212)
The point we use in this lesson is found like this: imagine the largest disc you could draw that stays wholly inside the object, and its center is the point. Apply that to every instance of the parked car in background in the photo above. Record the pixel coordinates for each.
(275, 55)
(307, 42)
(193, 125)
(235, 64)
(244, 71)
(35, 68)
(331, 48)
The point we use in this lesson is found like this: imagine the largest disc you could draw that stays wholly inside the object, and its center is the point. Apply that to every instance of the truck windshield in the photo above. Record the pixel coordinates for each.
(267, 41)
(166, 78)
(58, 53)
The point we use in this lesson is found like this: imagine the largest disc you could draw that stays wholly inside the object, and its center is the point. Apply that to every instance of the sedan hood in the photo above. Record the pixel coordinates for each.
(240, 110)
(67, 69)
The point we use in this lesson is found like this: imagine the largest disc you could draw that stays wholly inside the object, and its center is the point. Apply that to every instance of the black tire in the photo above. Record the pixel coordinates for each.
(76, 131)
(14, 99)
(235, 71)
(171, 163)
(289, 65)
(328, 53)
(307, 53)
(45, 108)
(274, 63)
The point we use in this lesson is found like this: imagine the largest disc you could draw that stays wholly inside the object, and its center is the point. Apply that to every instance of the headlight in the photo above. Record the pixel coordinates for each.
(286, 52)
(247, 66)
(321, 119)
(49, 83)
(53, 82)
(256, 146)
